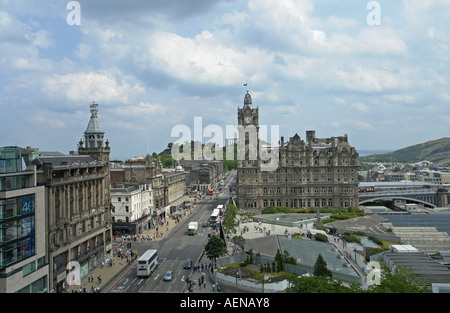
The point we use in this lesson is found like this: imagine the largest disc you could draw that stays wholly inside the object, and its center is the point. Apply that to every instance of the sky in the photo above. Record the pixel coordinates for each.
(377, 71)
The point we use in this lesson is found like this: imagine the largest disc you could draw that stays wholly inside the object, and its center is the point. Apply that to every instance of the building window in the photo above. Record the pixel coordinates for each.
(28, 268)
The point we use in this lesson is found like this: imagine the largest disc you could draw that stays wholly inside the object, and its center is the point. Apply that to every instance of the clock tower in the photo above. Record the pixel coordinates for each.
(248, 161)
(248, 128)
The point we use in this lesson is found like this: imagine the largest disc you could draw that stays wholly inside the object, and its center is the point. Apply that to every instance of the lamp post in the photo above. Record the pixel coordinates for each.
(215, 275)
(238, 272)
(263, 278)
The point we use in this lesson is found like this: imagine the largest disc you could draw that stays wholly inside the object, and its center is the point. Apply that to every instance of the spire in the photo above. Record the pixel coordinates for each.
(247, 100)
(94, 133)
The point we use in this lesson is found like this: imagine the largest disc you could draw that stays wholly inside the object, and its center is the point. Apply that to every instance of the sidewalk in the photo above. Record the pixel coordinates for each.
(201, 275)
(107, 273)
(110, 273)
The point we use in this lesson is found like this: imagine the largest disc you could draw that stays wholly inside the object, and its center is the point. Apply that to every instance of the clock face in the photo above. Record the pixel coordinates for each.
(248, 119)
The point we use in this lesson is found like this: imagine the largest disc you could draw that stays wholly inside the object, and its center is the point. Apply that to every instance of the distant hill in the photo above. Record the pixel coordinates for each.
(437, 151)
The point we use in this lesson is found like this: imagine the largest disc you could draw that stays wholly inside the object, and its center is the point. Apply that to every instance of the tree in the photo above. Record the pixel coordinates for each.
(288, 259)
(280, 261)
(318, 284)
(229, 217)
(215, 248)
(320, 268)
(404, 281)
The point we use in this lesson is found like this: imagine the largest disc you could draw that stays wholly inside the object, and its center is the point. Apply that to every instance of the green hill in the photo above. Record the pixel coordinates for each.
(437, 151)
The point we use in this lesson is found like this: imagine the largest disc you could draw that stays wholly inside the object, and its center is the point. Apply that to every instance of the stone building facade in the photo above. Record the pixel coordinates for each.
(133, 204)
(311, 173)
(168, 187)
(78, 205)
(202, 174)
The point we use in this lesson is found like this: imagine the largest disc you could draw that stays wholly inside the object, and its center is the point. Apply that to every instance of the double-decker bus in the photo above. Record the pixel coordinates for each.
(147, 263)
(214, 217)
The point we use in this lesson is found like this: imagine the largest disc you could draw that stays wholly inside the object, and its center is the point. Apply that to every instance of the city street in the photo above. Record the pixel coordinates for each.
(173, 250)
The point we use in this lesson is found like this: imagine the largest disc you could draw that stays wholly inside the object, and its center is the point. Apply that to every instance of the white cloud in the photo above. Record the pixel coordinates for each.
(361, 107)
(445, 118)
(202, 58)
(140, 110)
(90, 86)
(19, 45)
(367, 79)
(358, 124)
(48, 122)
(164, 61)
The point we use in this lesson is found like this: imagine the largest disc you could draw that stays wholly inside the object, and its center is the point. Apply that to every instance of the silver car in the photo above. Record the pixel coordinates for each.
(168, 276)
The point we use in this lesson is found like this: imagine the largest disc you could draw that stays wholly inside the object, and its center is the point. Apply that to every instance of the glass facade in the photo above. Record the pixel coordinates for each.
(14, 182)
(17, 229)
(10, 160)
(18, 222)
(11, 163)
(39, 286)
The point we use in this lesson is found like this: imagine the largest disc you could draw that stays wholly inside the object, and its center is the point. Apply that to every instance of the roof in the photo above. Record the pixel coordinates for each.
(267, 245)
(123, 190)
(307, 251)
(441, 221)
(423, 266)
(369, 224)
(94, 125)
(66, 161)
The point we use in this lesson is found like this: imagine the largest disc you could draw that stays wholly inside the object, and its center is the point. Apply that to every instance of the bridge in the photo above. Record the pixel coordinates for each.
(430, 196)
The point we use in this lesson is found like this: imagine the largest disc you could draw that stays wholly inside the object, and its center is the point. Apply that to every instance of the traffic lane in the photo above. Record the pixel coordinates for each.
(130, 283)
(156, 282)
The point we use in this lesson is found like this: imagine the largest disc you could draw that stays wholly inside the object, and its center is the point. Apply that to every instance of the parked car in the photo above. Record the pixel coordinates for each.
(168, 276)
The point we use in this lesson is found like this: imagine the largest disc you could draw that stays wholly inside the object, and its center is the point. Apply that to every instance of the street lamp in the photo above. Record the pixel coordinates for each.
(238, 272)
(263, 278)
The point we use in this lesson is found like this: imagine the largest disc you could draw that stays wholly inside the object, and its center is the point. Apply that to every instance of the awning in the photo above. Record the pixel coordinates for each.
(179, 201)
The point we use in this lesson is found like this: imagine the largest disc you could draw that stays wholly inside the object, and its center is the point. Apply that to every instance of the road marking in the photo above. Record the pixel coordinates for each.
(156, 277)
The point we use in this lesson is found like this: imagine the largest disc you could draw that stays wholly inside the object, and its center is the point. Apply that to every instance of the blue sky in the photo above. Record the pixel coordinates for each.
(151, 65)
